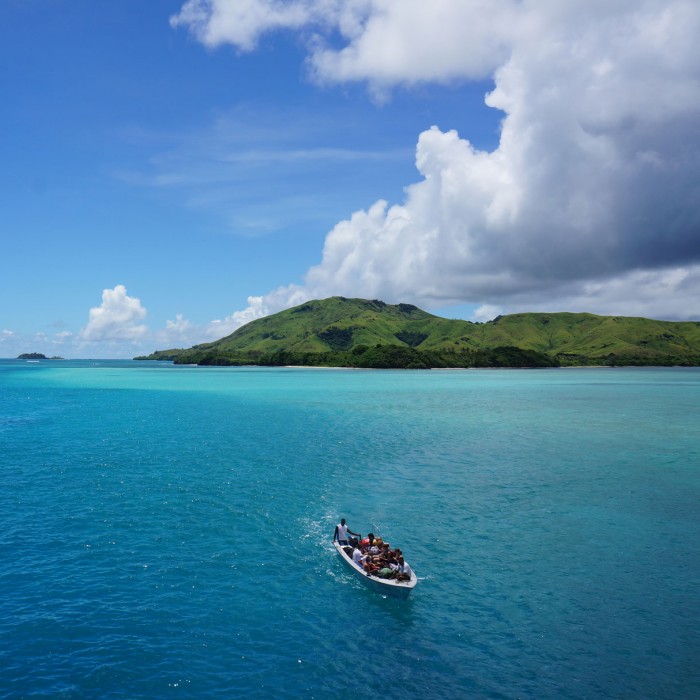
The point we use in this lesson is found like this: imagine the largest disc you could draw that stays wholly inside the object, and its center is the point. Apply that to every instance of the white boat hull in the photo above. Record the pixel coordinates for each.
(386, 586)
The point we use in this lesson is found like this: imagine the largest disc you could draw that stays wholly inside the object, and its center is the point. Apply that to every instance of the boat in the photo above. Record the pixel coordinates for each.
(387, 586)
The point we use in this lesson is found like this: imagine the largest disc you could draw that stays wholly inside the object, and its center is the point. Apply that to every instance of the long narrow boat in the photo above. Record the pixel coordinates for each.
(387, 586)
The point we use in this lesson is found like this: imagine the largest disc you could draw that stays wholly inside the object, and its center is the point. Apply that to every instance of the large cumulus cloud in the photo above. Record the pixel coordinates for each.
(590, 200)
(117, 318)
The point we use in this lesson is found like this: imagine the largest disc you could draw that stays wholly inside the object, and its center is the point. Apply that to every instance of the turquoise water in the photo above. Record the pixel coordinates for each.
(165, 532)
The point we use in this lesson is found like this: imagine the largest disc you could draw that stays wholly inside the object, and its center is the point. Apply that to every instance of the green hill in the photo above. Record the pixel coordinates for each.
(362, 333)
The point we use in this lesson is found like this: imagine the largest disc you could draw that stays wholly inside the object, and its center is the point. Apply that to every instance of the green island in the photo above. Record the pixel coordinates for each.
(341, 332)
(36, 356)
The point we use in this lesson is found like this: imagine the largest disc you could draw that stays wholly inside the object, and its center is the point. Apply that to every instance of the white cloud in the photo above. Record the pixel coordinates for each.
(116, 319)
(214, 22)
(486, 312)
(258, 307)
(179, 325)
(648, 293)
(413, 41)
(386, 41)
(590, 201)
(115, 327)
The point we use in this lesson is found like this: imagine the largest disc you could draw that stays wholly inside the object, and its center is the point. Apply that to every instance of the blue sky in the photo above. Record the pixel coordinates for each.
(171, 170)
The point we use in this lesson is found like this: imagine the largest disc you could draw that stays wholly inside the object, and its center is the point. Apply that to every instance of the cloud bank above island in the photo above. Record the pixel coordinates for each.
(591, 199)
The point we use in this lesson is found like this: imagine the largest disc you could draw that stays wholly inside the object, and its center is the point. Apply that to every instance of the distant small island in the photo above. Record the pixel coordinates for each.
(36, 356)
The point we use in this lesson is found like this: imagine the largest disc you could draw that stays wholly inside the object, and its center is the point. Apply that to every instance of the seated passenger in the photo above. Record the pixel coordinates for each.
(385, 554)
(357, 555)
(403, 570)
(369, 566)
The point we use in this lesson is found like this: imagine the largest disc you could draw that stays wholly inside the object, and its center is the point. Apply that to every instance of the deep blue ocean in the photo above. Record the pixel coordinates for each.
(165, 532)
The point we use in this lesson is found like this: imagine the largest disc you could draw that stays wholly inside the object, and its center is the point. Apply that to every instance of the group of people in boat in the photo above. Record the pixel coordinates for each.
(372, 554)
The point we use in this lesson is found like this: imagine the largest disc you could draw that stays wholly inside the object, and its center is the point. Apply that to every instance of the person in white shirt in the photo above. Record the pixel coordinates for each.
(341, 533)
(403, 570)
(357, 555)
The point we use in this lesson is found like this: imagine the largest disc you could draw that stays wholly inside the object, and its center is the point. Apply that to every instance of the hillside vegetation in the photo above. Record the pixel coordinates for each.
(361, 333)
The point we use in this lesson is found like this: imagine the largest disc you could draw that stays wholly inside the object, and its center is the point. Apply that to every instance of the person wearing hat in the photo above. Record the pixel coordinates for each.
(341, 533)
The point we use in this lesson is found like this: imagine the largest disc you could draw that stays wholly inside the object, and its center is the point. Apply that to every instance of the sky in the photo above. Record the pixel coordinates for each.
(171, 170)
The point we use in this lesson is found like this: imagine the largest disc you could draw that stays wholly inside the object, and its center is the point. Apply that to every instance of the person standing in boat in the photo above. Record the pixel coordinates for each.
(341, 533)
